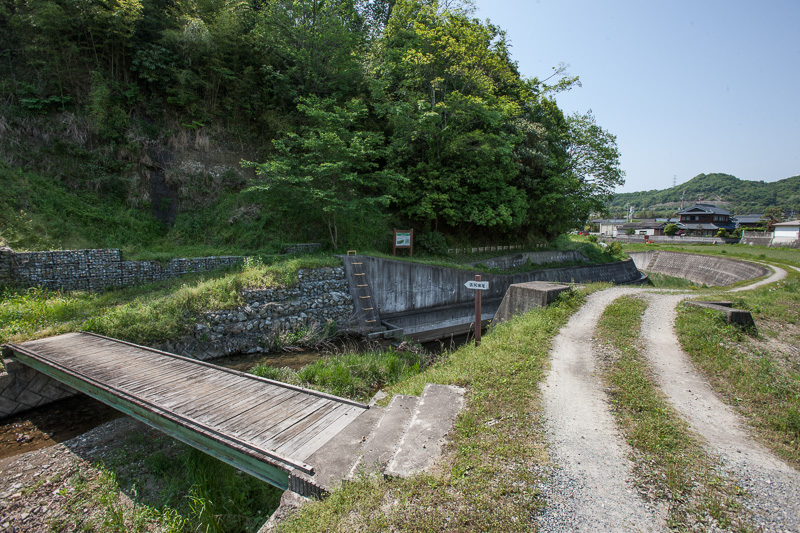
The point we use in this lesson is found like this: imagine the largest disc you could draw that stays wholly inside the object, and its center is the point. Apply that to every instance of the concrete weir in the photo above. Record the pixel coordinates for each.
(705, 269)
(428, 302)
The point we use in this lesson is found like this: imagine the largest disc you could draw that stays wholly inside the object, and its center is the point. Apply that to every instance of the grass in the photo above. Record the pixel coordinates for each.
(147, 313)
(154, 483)
(487, 479)
(759, 380)
(353, 375)
(734, 251)
(670, 462)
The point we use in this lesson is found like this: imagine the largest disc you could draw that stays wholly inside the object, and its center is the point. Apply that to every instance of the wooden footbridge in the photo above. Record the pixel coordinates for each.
(263, 427)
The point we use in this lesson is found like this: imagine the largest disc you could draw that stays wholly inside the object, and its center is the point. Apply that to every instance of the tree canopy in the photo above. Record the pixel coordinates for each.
(412, 108)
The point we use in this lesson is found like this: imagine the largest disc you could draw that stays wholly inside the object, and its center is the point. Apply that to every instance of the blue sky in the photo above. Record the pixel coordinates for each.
(688, 87)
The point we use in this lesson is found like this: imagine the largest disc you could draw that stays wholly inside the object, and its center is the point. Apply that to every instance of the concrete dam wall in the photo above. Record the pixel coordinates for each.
(704, 269)
(417, 297)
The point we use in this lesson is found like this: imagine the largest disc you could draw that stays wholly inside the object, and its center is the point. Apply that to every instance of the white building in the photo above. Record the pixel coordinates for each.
(786, 231)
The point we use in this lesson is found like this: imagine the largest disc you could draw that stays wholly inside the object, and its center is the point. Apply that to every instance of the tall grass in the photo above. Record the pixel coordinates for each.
(352, 375)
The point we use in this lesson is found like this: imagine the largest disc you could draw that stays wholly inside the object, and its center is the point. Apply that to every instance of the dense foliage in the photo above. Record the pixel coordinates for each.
(356, 113)
(738, 196)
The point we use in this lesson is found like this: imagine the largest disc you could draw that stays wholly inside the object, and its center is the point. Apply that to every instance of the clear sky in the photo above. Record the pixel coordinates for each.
(688, 87)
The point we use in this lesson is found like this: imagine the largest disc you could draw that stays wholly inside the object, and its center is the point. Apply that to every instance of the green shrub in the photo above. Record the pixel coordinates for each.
(432, 242)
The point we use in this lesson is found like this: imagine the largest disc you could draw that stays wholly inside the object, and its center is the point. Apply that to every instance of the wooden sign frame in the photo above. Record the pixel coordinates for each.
(400, 236)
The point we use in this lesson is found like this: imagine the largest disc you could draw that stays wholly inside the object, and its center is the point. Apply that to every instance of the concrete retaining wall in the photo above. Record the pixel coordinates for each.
(534, 258)
(703, 269)
(95, 270)
(675, 239)
(401, 286)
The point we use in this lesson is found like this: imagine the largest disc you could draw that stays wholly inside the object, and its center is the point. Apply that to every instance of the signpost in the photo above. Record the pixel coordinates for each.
(478, 286)
(403, 238)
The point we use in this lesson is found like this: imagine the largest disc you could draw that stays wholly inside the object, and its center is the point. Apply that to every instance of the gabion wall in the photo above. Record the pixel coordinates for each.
(321, 296)
(95, 270)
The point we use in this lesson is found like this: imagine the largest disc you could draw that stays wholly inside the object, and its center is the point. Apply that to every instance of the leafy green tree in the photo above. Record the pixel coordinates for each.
(330, 165)
(671, 229)
(445, 83)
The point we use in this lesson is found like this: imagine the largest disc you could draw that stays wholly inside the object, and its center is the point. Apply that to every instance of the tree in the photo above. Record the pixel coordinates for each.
(446, 87)
(593, 157)
(330, 165)
(772, 216)
(670, 229)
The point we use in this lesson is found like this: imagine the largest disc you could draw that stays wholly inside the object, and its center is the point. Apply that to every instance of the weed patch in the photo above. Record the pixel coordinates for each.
(352, 375)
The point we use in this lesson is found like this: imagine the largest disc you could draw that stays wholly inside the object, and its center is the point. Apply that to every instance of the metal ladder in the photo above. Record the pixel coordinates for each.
(365, 305)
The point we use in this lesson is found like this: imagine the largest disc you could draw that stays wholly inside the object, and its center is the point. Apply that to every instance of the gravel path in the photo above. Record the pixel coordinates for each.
(777, 274)
(591, 489)
(773, 485)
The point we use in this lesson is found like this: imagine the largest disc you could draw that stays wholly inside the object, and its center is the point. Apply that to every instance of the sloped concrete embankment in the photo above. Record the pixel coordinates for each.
(703, 269)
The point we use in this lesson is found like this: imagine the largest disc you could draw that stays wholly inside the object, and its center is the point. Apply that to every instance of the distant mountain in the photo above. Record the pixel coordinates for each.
(729, 192)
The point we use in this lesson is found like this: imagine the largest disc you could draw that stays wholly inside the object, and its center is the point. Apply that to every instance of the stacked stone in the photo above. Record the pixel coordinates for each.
(6, 256)
(23, 388)
(96, 270)
(320, 296)
(301, 249)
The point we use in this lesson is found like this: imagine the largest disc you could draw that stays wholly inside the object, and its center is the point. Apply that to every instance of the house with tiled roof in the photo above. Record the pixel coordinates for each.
(705, 220)
(748, 221)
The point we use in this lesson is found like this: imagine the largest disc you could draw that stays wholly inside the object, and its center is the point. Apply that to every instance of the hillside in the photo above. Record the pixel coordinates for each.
(249, 123)
(738, 196)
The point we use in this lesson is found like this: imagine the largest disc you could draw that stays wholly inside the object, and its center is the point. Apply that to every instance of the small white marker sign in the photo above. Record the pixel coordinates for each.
(477, 285)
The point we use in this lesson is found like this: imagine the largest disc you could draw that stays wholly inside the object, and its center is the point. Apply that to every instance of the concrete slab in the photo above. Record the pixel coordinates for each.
(739, 317)
(333, 462)
(422, 443)
(521, 297)
(381, 443)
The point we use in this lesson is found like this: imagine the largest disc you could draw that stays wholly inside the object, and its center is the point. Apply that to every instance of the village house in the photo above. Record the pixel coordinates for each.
(705, 220)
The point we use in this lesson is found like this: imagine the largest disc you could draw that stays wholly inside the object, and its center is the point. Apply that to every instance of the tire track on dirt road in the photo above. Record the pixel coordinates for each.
(591, 489)
(773, 485)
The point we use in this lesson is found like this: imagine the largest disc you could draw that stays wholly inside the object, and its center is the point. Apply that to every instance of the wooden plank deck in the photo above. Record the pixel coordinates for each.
(263, 427)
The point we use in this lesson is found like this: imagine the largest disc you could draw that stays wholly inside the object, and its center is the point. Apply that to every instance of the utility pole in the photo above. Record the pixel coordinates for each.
(682, 195)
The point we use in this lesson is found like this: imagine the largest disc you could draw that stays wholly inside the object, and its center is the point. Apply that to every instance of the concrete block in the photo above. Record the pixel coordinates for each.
(521, 297)
(738, 317)
(334, 461)
(422, 443)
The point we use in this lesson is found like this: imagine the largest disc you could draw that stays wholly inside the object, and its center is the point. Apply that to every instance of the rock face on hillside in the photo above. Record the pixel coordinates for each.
(269, 317)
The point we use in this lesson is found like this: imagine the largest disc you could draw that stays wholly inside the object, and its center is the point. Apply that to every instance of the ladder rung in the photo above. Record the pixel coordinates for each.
(367, 308)
(356, 263)
(361, 274)
(364, 285)
(365, 297)
(370, 321)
